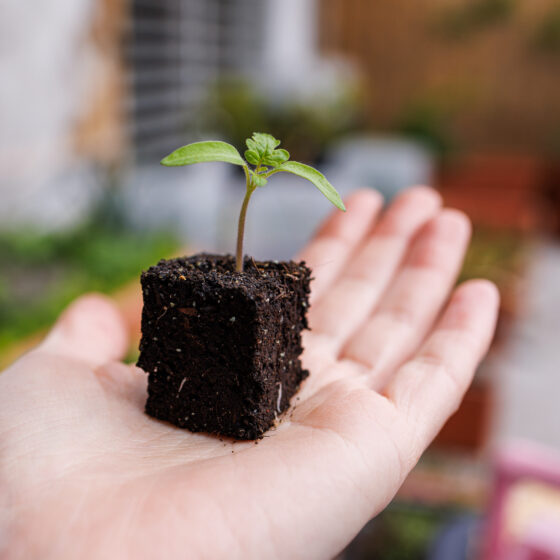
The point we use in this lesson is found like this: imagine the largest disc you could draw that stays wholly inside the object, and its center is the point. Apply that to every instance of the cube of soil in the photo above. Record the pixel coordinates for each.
(222, 348)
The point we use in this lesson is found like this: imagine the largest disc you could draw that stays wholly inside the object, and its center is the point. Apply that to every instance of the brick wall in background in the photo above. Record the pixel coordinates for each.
(493, 77)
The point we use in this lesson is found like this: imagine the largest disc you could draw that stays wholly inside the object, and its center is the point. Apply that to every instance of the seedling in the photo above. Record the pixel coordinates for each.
(222, 346)
(266, 158)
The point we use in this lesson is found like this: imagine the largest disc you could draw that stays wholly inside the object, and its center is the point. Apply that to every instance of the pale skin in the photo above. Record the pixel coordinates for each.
(84, 473)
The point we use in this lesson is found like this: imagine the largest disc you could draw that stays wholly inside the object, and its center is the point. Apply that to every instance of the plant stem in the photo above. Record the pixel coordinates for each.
(241, 227)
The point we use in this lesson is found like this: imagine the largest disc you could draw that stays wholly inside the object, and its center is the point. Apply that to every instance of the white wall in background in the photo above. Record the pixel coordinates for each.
(292, 69)
(45, 63)
(290, 48)
(386, 163)
(194, 201)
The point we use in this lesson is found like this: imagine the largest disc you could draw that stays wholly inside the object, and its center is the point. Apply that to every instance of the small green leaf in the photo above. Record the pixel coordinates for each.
(282, 154)
(276, 158)
(252, 145)
(265, 142)
(200, 152)
(316, 177)
(259, 180)
(252, 156)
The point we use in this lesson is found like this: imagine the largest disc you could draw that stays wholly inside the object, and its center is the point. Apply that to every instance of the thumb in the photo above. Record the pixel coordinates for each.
(91, 330)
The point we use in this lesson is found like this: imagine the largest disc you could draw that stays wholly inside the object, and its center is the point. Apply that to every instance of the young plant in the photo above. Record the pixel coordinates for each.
(265, 158)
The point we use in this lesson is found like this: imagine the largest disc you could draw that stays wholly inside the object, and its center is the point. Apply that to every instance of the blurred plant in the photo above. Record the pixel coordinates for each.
(401, 532)
(235, 108)
(427, 122)
(477, 15)
(42, 273)
(496, 255)
(546, 37)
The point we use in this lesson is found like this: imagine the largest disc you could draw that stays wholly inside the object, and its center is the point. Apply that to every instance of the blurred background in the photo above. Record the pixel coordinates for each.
(463, 95)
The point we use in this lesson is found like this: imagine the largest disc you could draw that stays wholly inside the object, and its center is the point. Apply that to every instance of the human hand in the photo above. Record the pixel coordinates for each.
(84, 473)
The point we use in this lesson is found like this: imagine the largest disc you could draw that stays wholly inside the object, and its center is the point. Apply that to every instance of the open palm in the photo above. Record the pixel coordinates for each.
(84, 473)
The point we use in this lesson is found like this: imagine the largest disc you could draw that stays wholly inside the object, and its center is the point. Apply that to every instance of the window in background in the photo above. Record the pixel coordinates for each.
(178, 49)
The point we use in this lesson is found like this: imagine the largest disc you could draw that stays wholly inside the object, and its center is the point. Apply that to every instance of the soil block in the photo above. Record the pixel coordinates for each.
(222, 348)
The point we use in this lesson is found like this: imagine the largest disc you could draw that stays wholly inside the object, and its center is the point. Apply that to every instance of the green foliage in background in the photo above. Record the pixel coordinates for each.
(429, 123)
(498, 256)
(546, 37)
(462, 21)
(41, 273)
(234, 109)
(401, 532)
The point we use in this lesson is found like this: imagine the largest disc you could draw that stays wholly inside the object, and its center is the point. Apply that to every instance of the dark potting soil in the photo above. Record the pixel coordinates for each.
(222, 348)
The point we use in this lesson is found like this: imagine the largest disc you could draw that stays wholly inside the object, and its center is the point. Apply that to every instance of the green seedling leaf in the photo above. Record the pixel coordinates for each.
(200, 152)
(255, 145)
(259, 180)
(252, 145)
(276, 158)
(315, 177)
(265, 142)
(252, 156)
(262, 150)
